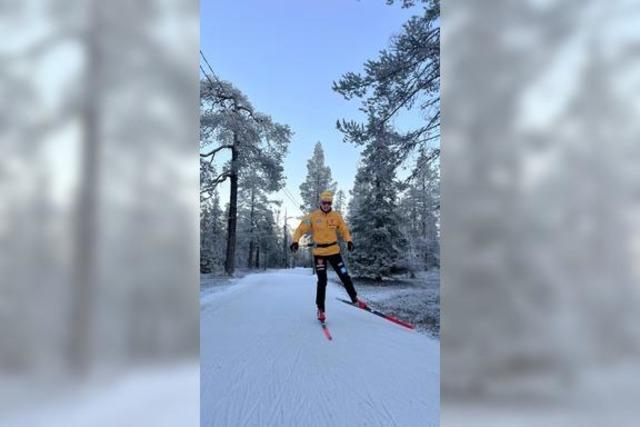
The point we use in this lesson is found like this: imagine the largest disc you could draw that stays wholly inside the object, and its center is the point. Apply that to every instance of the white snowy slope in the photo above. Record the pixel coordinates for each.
(264, 360)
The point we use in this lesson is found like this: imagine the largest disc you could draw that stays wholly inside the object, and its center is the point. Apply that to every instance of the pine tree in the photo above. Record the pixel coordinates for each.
(406, 75)
(268, 240)
(255, 220)
(373, 213)
(228, 122)
(211, 223)
(318, 180)
(339, 202)
(420, 209)
(251, 199)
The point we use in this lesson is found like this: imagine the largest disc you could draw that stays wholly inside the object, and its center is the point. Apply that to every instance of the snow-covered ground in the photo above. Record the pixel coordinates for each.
(265, 362)
(162, 396)
(211, 285)
(602, 395)
(414, 300)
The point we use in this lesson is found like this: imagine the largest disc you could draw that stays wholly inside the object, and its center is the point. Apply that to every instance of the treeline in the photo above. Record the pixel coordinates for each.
(394, 222)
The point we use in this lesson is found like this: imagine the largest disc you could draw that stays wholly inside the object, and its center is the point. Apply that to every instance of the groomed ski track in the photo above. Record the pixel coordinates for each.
(265, 362)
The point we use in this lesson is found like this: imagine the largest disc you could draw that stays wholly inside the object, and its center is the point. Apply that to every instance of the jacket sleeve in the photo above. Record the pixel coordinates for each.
(344, 230)
(303, 228)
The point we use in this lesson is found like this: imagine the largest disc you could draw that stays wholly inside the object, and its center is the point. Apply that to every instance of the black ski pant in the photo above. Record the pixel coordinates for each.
(321, 270)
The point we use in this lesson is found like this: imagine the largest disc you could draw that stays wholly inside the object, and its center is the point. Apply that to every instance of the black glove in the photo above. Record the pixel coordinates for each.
(350, 246)
(294, 247)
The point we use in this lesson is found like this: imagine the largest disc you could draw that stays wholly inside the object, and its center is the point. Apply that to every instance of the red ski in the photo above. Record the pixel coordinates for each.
(380, 314)
(326, 330)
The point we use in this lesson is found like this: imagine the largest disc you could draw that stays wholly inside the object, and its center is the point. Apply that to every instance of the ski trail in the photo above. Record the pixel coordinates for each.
(266, 362)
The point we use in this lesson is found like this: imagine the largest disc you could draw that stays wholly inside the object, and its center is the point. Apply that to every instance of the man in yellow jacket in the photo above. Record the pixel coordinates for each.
(324, 224)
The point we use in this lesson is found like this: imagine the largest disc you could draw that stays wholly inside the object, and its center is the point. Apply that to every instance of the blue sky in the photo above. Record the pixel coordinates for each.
(284, 55)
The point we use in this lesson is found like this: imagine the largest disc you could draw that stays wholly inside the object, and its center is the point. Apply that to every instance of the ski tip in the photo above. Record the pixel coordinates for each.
(383, 315)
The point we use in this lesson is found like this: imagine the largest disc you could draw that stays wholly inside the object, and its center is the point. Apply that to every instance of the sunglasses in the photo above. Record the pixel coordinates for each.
(325, 203)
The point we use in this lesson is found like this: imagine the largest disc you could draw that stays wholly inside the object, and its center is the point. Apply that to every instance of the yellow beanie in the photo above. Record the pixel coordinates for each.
(326, 196)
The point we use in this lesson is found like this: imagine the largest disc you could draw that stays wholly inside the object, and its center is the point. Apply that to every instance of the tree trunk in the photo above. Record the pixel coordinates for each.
(251, 246)
(84, 267)
(230, 261)
(257, 257)
(250, 257)
(265, 257)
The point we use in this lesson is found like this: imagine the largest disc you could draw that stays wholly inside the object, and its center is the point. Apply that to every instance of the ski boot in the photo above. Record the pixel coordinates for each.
(321, 316)
(359, 303)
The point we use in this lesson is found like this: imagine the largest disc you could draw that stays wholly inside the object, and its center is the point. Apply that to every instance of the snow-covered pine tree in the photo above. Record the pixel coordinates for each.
(254, 211)
(318, 180)
(339, 205)
(211, 223)
(268, 240)
(229, 123)
(339, 202)
(405, 76)
(420, 210)
(373, 213)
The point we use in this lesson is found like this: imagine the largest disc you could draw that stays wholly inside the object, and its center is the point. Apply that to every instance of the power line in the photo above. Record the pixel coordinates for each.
(213, 74)
(207, 76)
(289, 196)
(207, 62)
(299, 205)
(292, 199)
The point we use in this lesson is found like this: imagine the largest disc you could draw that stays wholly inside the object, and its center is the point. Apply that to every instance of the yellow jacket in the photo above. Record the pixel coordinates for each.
(323, 228)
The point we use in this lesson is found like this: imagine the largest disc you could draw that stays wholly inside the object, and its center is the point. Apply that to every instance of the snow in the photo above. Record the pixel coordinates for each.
(212, 285)
(145, 396)
(414, 300)
(264, 360)
(603, 395)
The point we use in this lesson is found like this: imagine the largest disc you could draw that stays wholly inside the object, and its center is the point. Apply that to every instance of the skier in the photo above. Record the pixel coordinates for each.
(323, 224)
